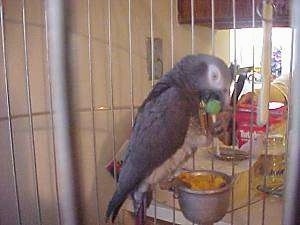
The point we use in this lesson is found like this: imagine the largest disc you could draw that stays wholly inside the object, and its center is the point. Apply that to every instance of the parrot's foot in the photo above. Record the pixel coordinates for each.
(140, 212)
(141, 200)
(222, 123)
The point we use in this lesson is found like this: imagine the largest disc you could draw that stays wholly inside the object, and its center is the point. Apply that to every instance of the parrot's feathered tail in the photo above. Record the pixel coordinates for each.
(114, 205)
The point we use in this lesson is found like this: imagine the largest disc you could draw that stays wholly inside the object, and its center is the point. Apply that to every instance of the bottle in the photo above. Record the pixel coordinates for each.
(275, 161)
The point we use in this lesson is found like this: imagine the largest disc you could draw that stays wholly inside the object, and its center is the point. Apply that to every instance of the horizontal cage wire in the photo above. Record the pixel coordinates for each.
(83, 83)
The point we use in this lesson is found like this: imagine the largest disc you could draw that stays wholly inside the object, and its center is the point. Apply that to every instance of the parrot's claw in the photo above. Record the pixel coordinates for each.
(223, 122)
(217, 128)
(137, 202)
(141, 201)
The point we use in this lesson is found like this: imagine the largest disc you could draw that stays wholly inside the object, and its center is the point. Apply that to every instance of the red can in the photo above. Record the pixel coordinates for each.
(277, 114)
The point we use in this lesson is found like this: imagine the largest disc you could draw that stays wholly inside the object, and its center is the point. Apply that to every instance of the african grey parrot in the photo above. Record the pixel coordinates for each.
(167, 127)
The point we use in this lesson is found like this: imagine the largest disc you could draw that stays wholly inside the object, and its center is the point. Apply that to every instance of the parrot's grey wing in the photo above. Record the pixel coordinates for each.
(159, 88)
(163, 85)
(159, 130)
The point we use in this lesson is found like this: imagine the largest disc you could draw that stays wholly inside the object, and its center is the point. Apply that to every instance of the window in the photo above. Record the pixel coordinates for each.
(249, 39)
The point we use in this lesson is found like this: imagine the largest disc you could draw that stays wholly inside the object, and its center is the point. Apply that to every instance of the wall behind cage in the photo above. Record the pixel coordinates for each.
(33, 189)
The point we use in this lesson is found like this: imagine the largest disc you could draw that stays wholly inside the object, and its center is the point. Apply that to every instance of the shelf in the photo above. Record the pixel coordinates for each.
(224, 15)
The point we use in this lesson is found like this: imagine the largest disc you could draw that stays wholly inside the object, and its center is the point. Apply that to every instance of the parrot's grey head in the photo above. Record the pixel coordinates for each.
(206, 75)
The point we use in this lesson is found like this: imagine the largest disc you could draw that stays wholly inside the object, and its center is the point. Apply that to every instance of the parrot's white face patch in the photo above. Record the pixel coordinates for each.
(215, 77)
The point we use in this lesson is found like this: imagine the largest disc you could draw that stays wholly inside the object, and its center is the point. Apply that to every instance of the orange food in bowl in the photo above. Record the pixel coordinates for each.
(202, 182)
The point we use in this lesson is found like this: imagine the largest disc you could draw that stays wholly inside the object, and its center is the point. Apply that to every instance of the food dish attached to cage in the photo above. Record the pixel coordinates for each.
(228, 154)
(203, 195)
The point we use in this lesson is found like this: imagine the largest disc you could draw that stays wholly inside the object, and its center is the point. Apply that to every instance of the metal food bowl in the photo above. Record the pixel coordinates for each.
(205, 207)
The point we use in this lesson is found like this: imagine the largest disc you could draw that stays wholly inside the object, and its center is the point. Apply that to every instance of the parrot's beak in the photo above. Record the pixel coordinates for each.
(216, 95)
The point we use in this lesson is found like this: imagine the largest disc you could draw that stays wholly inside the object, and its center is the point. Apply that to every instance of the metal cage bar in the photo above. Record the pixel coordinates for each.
(68, 195)
(212, 3)
(192, 52)
(267, 130)
(290, 85)
(212, 27)
(130, 62)
(29, 104)
(192, 27)
(51, 110)
(112, 108)
(292, 192)
(152, 42)
(172, 31)
(251, 121)
(92, 103)
(42, 113)
(234, 105)
(172, 64)
(152, 84)
(9, 115)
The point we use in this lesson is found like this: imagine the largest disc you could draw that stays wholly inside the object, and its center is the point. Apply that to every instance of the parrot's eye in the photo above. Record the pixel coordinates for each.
(214, 76)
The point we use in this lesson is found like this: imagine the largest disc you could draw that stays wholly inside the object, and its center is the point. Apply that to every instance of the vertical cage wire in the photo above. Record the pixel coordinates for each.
(92, 103)
(152, 42)
(291, 205)
(212, 3)
(234, 105)
(172, 64)
(213, 27)
(192, 27)
(111, 90)
(29, 103)
(111, 86)
(130, 62)
(152, 84)
(68, 197)
(251, 120)
(267, 143)
(9, 115)
(192, 51)
(51, 110)
(172, 31)
(288, 127)
(289, 94)
(287, 216)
